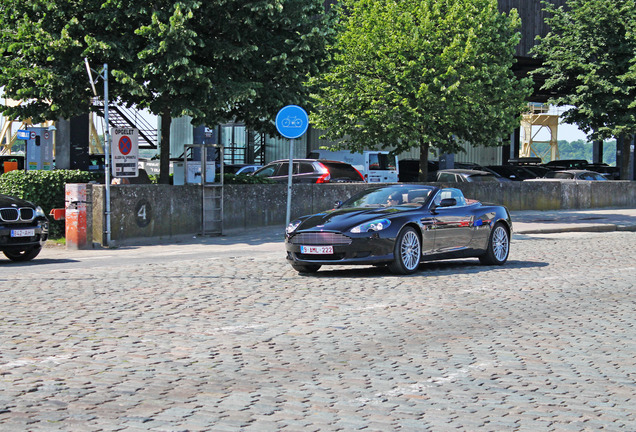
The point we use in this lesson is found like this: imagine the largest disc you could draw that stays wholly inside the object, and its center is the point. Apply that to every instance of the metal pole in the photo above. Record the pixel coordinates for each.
(289, 180)
(107, 155)
(222, 163)
(204, 158)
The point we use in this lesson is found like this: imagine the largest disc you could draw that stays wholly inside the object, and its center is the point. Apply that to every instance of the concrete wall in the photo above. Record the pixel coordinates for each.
(146, 213)
(151, 213)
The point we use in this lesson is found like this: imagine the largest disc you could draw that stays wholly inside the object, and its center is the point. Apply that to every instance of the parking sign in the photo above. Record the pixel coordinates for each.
(125, 148)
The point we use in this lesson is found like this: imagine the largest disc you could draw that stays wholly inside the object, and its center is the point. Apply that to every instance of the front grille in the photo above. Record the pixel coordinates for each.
(12, 214)
(320, 238)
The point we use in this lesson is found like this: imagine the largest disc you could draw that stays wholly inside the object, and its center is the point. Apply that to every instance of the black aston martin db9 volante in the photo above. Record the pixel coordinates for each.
(400, 226)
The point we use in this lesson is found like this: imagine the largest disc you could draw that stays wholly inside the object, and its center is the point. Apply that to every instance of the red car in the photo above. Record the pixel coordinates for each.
(310, 171)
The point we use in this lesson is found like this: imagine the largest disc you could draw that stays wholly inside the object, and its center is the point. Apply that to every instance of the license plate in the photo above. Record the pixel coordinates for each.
(316, 250)
(23, 233)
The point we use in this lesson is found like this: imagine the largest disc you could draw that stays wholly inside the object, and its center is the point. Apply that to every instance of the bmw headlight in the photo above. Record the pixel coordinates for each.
(375, 225)
(39, 212)
(292, 226)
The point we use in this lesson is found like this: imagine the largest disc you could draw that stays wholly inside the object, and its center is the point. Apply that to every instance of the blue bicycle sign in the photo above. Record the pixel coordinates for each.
(292, 121)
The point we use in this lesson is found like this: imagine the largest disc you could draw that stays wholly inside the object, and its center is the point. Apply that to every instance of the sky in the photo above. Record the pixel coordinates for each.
(570, 133)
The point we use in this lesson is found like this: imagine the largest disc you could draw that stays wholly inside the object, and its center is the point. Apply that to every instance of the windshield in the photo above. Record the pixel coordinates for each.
(390, 196)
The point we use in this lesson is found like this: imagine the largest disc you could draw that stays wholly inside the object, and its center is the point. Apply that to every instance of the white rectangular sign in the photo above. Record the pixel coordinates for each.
(125, 151)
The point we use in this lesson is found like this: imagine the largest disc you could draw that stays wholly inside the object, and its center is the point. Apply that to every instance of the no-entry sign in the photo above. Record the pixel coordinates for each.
(125, 149)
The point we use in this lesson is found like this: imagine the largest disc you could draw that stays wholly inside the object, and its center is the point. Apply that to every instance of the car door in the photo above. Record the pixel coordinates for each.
(282, 172)
(452, 224)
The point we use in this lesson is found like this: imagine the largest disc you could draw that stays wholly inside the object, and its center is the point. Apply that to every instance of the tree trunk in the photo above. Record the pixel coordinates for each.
(164, 150)
(625, 143)
(423, 173)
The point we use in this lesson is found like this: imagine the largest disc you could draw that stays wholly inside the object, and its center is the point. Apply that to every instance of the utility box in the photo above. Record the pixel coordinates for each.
(39, 148)
(188, 170)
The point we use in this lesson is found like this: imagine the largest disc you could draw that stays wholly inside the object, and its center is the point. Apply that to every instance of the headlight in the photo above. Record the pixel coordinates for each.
(375, 225)
(292, 226)
(39, 211)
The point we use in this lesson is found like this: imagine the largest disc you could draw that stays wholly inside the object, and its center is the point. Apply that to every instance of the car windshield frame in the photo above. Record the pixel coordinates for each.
(378, 197)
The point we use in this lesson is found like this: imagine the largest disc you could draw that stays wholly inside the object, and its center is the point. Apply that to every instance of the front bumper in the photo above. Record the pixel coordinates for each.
(367, 248)
(39, 238)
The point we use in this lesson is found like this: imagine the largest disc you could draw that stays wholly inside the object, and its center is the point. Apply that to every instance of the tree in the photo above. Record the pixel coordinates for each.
(589, 60)
(421, 73)
(216, 60)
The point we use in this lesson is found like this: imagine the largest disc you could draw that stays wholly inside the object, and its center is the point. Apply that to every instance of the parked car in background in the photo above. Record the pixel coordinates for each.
(310, 171)
(566, 164)
(375, 166)
(513, 172)
(576, 175)
(24, 228)
(240, 168)
(537, 170)
(399, 226)
(610, 172)
(466, 175)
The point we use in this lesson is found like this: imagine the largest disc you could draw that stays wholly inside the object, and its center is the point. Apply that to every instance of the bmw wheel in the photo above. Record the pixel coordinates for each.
(407, 252)
(25, 255)
(498, 246)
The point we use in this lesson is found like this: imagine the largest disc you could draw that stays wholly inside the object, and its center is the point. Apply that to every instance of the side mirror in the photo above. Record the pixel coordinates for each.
(448, 202)
(337, 204)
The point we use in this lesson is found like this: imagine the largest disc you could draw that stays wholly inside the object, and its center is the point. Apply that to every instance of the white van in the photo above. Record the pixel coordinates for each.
(376, 166)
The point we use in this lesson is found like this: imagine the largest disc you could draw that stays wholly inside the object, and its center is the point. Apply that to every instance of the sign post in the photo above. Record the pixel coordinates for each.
(291, 122)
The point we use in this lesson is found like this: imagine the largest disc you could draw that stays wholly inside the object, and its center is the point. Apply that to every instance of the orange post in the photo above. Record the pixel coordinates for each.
(76, 225)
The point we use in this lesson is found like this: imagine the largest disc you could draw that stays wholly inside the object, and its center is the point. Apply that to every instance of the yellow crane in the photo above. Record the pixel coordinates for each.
(538, 115)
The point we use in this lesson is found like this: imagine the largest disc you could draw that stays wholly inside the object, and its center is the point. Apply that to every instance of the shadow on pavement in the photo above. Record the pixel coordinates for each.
(426, 268)
(35, 262)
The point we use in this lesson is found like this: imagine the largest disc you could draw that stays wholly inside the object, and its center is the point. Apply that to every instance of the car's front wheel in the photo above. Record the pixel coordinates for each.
(24, 255)
(498, 246)
(407, 252)
(306, 268)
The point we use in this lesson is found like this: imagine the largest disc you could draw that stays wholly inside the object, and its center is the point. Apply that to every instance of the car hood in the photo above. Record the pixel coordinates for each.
(343, 219)
(9, 201)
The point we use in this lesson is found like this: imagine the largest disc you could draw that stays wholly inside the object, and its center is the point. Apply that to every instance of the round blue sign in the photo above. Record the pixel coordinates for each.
(292, 121)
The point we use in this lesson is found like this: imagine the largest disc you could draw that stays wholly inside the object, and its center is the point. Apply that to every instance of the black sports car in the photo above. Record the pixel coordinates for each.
(400, 226)
(24, 228)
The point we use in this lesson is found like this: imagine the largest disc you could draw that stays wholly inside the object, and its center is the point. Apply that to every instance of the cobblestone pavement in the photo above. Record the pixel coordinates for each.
(240, 342)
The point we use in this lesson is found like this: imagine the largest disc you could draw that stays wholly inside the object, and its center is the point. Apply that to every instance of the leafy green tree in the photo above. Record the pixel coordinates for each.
(215, 60)
(428, 74)
(589, 59)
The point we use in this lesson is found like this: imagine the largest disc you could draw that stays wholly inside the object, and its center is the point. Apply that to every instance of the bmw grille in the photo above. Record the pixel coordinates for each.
(12, 214)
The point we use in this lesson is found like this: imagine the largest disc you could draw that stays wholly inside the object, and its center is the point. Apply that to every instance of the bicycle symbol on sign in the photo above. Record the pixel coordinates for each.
(292, 122)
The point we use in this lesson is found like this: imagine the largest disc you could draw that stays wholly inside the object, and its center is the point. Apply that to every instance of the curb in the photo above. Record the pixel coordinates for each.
(590, 228)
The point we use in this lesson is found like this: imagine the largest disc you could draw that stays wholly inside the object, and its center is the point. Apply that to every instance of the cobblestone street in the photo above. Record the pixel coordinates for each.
(236, 340)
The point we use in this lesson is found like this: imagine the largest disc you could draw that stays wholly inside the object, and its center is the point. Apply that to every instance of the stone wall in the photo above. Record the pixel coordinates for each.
(154, 213)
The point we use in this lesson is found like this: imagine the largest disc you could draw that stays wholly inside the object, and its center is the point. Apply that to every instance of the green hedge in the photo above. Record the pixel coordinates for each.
(44, 188)
(244, 179)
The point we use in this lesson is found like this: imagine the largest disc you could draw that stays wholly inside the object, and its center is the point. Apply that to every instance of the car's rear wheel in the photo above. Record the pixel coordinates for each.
(407, 252)
(498, 246)
(306, 268)
(24, 255)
